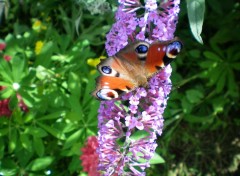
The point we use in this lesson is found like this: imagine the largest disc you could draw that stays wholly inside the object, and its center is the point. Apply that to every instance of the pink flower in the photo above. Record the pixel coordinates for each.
(89, 156)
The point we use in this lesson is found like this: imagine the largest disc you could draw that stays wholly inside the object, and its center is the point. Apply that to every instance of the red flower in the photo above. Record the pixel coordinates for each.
(2, 46)
(7, 58)
(90, 157)
(4, 108)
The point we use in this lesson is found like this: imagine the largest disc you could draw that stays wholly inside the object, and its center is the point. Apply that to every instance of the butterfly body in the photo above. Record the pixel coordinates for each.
(133, 66)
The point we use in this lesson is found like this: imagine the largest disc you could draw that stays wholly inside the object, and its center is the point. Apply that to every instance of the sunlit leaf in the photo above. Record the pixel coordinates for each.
(54, 115)
(74, 85)
(196, 9)
(13, 140)
(25, 141)
(157, 159)
(18, 65)
(41, 163)
(140, 134)
(5, 71)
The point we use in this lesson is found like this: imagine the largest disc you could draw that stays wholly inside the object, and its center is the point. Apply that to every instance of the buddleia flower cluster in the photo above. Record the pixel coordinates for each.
(128, 128)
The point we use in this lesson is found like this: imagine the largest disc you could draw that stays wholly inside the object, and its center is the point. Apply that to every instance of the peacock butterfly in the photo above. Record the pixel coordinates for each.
(133, 66)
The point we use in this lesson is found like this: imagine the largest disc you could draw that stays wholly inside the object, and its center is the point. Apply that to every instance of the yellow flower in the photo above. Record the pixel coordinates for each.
(94, 62)
(38, 26)
(38, 47)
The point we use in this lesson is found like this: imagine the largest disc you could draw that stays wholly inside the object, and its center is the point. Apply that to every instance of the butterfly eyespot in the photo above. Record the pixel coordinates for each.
(141, 49)
(106, 94)
(173, 49)
(106, 69)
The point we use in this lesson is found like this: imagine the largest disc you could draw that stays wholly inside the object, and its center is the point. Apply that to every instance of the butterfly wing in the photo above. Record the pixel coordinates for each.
(160, 54)
(109, 87)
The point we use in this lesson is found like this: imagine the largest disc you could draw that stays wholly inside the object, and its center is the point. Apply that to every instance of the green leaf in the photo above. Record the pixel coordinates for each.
(13, 103)
(13, 140)
(72, 139)
(4, 131)
(74, 116)
(44, 57)
(212, 56)
(231, 83)
(76, 108)
(27, 99)
(221, 82)
(75, 164)
(89, 88)
(186, 105)
(41, 163)
(54, 115)
(2, 147)
(236, 66)
(140, 134)
(92, 115)
(194, 96)
(56, 133)
(6, 93)
(198, 119)
(5, 84)
(43, 73)
(196, 9)
(25, 142)
(5, 71)
(35, 131)
(17, 68)
(23, 156)
(38, 146)
(74, 85)
(157, 159)
(8, 172)
(216, 73)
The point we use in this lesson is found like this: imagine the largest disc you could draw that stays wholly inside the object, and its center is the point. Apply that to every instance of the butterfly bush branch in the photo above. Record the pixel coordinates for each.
(128, 131)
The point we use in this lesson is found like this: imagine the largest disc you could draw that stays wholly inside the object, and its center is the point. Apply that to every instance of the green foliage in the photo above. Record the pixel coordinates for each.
(49, 44)
(201, 121)
(49, 65)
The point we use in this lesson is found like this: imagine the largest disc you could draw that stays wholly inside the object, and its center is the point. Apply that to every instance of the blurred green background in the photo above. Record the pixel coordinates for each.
(53, 47)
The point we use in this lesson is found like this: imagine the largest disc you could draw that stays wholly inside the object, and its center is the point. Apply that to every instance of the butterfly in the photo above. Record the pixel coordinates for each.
(133, 66)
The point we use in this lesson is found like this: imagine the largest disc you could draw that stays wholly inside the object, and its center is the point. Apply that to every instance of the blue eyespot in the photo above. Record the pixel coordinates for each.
(106, 69)
(141, 49)
(173, 49)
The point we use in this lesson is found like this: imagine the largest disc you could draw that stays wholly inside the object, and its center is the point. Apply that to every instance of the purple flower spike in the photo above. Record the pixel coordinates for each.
(140, 111)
